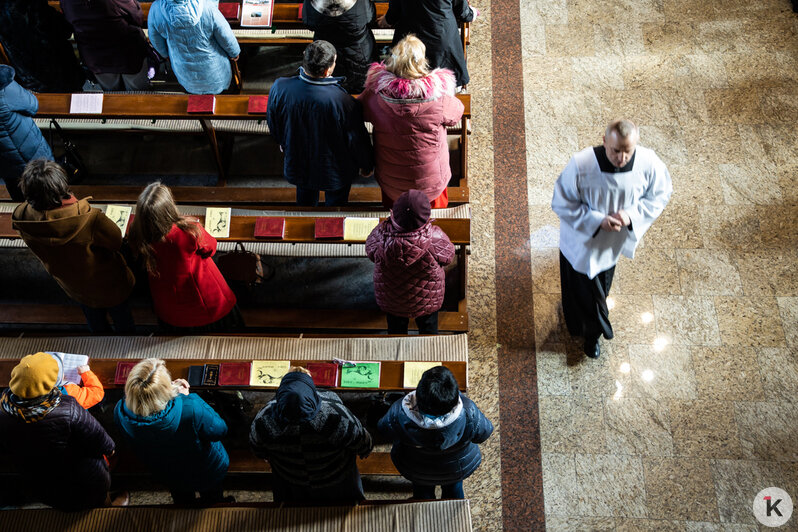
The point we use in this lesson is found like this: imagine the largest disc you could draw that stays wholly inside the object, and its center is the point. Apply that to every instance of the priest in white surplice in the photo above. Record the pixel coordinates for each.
(607, 198)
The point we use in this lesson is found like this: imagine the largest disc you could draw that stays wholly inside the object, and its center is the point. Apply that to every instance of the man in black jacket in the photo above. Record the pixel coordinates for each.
(310, 439)
(320, 128)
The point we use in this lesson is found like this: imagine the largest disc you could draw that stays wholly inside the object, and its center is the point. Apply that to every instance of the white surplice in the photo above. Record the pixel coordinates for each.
(584, 196)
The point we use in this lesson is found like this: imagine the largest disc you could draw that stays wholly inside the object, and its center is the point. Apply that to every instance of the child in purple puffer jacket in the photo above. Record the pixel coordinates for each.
(409, 254)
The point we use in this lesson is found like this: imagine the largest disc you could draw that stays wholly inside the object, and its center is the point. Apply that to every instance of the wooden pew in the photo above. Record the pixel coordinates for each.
(244, 463)
(228, 107)
(391, 373)
(299, 230)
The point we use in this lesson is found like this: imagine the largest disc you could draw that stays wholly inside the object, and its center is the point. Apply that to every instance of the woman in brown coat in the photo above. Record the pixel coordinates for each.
(77, 244)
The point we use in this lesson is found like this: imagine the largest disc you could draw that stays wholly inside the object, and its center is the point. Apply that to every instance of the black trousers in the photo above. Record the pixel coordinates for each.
(426, 324)
(584, 301)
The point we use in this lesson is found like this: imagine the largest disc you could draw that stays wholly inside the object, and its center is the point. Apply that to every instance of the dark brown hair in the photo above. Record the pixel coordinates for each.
(156, 213)
(318, 57)
(44, 184)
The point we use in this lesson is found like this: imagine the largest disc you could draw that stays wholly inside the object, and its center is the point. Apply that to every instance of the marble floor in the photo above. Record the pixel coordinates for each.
(691, 410)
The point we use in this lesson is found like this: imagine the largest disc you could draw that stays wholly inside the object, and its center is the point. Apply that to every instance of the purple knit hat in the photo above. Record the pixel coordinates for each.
(411, 210)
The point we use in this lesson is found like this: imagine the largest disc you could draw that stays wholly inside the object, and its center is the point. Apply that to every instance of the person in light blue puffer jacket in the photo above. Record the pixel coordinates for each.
(198, 41)
(20, 139)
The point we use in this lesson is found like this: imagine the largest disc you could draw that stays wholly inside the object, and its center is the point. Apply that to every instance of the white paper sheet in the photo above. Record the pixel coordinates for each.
(71, 363)
(86, 104)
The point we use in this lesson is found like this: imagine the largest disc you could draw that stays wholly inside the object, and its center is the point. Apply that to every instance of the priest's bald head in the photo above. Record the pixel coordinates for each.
(620, 140)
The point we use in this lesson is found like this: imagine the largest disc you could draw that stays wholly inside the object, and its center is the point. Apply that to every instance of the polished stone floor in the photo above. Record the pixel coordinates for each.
(691, 410)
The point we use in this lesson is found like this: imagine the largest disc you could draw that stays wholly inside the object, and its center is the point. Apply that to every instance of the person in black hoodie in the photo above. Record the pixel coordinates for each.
(35, 38)
(435, 22)
(310, 439)
(345, 24)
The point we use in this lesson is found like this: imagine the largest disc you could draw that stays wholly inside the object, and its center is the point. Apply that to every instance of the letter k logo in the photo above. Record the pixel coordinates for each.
(772, 506)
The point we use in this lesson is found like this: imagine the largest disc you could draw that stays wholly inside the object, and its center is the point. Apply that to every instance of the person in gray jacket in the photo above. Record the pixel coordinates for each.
(311, 440)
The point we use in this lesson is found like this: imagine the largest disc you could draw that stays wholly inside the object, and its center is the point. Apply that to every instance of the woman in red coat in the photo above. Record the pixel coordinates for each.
(410, 108)
(188, 290)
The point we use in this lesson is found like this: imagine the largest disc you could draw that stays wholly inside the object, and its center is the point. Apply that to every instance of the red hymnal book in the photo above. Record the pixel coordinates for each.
(234, 373)
(269, 227)
(230, 10)
(329, 227)
(202, 103)
(129, 224)
(123, 370)
(257, 104)
(323, 373)
(299, 13)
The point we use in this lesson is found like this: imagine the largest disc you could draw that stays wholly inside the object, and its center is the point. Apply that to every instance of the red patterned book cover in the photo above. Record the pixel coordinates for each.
(202, 103)
(230, 10)
(323, 373)
(234, 373)
(123, 368)
(269, 227)
(257, 104)
(329, 227)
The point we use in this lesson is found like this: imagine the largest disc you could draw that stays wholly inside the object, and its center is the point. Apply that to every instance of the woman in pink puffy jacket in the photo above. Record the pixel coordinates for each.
(410, 107)
(409, 254)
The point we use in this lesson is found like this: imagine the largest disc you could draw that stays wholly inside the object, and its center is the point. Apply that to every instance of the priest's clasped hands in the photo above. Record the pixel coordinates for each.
(616, 221)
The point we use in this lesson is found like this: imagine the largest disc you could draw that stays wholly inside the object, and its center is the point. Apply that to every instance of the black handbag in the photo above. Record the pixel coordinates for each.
(70, 160)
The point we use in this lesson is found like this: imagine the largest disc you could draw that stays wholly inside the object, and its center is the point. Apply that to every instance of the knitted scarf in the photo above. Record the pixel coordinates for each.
(30, 410)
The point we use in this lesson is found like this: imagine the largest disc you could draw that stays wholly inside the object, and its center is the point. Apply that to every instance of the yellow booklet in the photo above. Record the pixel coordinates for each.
(414, 370)
(217, 222)
(359, 229)
(120, 215)
(268, 372)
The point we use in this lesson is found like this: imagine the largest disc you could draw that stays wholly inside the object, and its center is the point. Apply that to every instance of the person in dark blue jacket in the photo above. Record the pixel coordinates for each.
(20, 139)
(435, 430)
(175, 433)
(320, 129)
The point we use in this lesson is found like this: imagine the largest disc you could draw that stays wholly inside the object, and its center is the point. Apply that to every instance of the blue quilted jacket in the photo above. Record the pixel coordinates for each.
(20, 139)
(198, 41)
(440, 451)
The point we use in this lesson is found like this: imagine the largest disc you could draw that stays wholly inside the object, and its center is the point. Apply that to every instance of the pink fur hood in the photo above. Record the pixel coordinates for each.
(439, 82)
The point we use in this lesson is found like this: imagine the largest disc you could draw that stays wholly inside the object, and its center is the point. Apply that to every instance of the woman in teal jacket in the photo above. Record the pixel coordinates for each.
(198, 41)
(175, 433)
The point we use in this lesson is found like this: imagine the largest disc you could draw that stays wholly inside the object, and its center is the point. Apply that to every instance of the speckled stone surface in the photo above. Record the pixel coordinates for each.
(690, 410)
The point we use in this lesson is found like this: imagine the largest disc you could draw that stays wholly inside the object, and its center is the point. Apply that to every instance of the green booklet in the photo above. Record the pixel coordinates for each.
(361, 375)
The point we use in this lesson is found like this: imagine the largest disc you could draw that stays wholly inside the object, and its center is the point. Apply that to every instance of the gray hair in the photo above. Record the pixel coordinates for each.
(623, 128)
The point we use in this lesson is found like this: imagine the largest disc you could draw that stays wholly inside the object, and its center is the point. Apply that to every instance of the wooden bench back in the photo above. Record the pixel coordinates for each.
(164, 106)
(391, 373)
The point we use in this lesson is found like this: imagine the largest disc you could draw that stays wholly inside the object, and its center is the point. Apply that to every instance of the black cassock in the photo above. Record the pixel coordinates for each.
(584, 301)
(435, 22)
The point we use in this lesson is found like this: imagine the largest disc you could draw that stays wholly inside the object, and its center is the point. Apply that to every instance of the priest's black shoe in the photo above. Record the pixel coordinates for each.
(592, 349)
